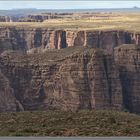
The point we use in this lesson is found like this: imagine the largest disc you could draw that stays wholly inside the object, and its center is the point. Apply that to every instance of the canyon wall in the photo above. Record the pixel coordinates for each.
(7, 97)
(100, 76)
(127, 57)
(87, 79)
(42, 38)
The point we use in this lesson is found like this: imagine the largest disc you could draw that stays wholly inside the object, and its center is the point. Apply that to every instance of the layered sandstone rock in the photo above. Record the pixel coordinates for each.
(127, 57)
(74, 79)
(28, 39)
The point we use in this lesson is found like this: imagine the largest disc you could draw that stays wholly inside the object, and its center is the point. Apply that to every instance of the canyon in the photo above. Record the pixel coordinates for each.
(30, 39)
(43, 68)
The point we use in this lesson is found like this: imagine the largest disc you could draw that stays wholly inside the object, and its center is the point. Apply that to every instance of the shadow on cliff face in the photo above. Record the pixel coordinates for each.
(127, 59)
(128, 39)
(130, 81)
(6, 45)
(37, 38)
(7, 97)
(127, 90)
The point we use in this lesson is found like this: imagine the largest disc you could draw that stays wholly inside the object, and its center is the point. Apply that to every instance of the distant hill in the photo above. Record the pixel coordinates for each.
(23, 12)
(135, 7)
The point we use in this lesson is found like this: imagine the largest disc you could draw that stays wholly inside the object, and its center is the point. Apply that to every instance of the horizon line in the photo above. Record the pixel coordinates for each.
(134, 7)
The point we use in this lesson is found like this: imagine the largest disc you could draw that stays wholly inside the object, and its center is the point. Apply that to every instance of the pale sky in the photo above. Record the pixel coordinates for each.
(67, 4)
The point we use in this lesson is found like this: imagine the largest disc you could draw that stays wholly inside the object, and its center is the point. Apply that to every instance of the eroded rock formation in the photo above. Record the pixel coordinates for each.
(42, 38)
(100, 76)
(127, 57)
(82, 79)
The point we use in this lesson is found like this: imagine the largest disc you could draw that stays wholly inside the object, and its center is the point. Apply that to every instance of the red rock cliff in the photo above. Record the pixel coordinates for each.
(127, 57)
(82, 79)
(98, 77)
(42, 38)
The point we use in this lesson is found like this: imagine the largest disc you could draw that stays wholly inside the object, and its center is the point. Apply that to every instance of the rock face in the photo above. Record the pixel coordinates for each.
(87, 79)
(42, 38)
(127, 58)
(7, 97)
(100, 76)
(34, 38)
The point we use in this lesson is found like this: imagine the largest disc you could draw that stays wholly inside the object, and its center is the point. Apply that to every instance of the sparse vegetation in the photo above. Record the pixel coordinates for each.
(59, 123)
(124, 21)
